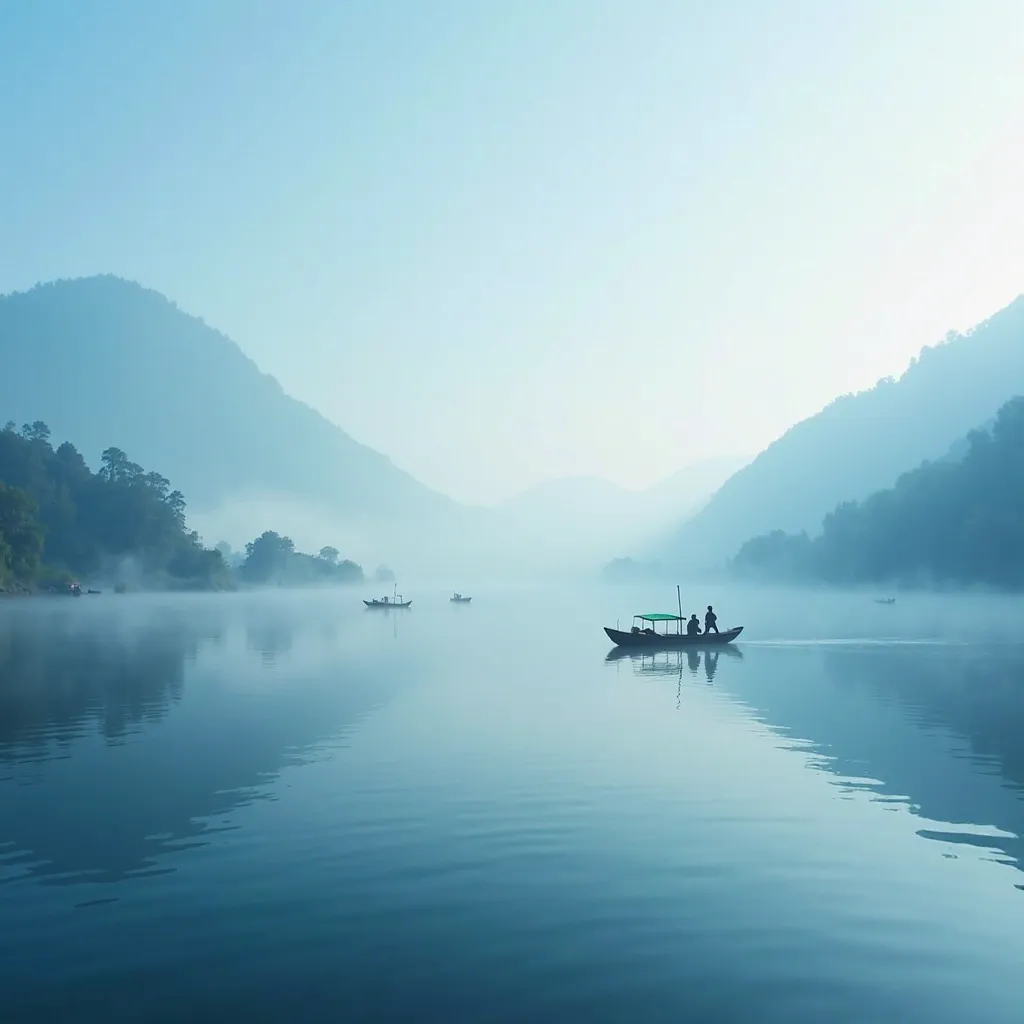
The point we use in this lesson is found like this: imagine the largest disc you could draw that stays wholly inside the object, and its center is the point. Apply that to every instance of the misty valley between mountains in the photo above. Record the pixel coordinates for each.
(917, 482)
(511, 513)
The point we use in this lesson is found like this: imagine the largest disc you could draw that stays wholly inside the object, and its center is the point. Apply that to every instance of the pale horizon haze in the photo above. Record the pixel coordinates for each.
(502, 243)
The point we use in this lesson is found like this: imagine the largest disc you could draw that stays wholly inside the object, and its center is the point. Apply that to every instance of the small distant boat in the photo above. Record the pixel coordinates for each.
(885, 600)
(644, 632)
(396, 601)
(459, 599)
(95, 591)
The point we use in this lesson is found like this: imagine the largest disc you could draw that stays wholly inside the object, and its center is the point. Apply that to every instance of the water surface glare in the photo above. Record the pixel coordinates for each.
(284, 807)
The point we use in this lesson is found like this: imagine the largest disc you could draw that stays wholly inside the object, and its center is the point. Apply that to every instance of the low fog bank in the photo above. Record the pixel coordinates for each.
(564, 530)
(471, 544)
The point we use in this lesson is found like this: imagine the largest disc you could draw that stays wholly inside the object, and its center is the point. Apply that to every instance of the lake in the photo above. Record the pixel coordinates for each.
(284, 807)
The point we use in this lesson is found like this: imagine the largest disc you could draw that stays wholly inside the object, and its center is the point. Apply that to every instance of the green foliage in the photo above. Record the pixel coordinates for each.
(59, 520)
(947, 522)
(860, 443)
(21, 534)
(266, 557)
(271, 558)
(144, 370)
(75, 520)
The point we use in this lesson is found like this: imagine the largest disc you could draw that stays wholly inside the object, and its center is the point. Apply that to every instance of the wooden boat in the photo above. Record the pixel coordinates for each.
(644, 632)
(459, 599)
(649, 637)
(885, 600)
(396, 601)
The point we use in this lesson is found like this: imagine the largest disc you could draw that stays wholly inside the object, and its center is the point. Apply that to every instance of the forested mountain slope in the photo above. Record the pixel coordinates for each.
(861, 443)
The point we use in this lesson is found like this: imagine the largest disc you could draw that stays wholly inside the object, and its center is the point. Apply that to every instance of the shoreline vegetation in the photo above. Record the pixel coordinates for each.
(952, 523)
(62, 525)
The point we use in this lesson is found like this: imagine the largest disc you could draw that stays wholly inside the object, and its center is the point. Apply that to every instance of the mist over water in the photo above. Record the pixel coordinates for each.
(275, 806)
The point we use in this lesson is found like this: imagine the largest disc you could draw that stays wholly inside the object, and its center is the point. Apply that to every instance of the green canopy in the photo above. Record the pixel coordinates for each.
(660, 617)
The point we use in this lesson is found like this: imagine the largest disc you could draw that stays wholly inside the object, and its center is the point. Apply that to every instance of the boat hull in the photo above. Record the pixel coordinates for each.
(460, 600)
(386, 604)
(662, 641)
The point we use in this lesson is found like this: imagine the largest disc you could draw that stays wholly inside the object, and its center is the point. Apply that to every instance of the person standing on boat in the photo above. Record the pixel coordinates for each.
(693, 626)
(710, 620)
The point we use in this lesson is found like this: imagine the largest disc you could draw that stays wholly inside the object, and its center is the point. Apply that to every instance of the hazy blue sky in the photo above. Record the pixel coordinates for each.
(503, 241)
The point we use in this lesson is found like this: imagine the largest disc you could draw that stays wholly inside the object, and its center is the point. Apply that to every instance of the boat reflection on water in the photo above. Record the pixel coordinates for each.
(672, 662)
(667, 662)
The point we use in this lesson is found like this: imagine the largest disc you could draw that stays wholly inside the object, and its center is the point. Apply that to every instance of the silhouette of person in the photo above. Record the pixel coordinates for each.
(710, 664)
(693, 626)
(710, 620)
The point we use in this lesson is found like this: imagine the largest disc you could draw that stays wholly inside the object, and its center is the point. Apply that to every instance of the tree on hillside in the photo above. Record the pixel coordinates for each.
(273, 558)
(148, 375)
(348, 571)
(21, 534)
(117, 468)
(118, 511)
(37, 431)
(860, 444)
(266, 555)
(945, 522)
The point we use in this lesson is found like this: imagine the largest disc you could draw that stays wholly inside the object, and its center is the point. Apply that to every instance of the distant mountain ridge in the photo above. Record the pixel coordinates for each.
(106, 361)
(861, 443)
(594, 518)
(684, 487)
(954, 521)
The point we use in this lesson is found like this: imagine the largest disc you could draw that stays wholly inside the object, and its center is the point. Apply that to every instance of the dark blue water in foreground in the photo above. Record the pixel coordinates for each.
(285, 808)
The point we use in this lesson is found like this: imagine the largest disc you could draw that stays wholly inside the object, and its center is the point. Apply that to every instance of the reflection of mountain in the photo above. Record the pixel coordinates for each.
(937, 727)
(184, 738)
(269, 639)
(57, 674)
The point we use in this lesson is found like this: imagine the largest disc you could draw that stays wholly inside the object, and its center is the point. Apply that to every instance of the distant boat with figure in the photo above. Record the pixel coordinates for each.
(459, 599)
(396, 601)
(662, 629)
(885, 600)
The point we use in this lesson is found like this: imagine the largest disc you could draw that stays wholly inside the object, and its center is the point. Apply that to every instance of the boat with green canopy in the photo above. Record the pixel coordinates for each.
(663, 629)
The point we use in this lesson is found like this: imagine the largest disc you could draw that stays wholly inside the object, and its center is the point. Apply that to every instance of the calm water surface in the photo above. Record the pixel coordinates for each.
(286, 808)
